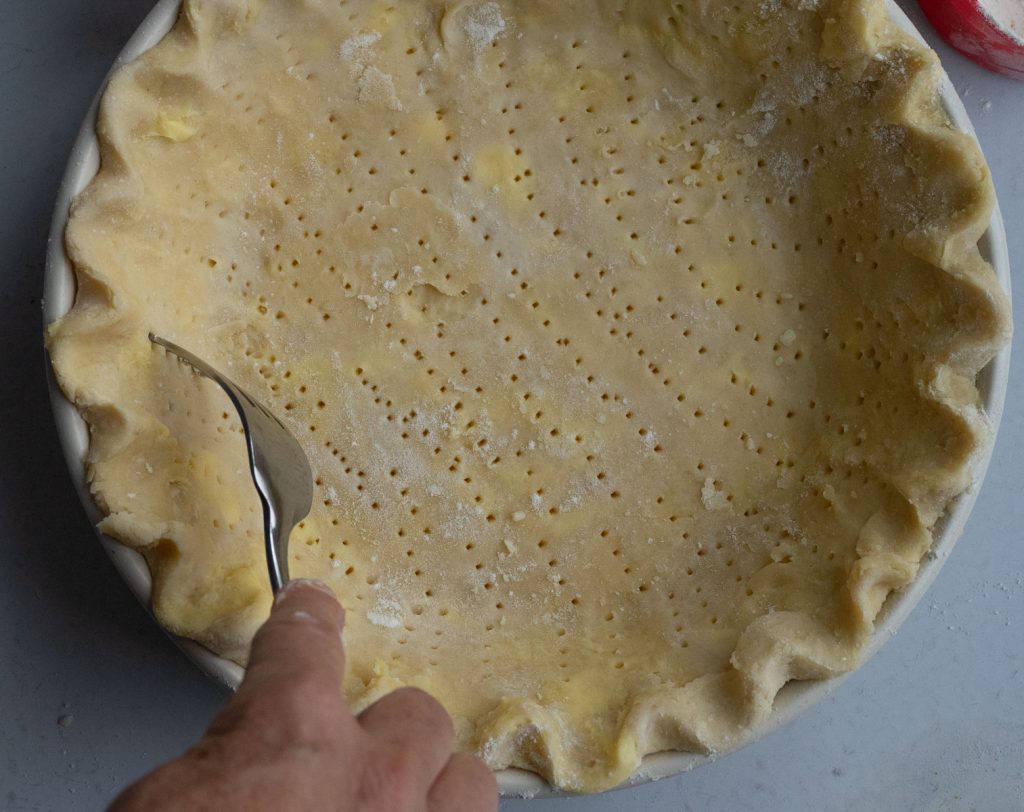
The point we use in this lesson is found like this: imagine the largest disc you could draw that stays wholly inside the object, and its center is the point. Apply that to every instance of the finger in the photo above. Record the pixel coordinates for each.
(466, 784)
(291, 693)
(413, 731)
(302, 637)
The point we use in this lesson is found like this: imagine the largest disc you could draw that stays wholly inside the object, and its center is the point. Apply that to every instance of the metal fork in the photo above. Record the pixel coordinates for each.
(279, 466)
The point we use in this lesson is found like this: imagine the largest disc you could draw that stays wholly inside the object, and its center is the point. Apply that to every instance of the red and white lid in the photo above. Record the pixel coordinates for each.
(990, 32)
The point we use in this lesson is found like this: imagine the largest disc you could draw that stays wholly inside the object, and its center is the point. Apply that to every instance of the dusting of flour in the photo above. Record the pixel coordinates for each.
(386, 612)
(483, 24)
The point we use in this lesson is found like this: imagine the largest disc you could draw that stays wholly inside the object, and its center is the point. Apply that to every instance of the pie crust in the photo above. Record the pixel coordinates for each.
(633, 345)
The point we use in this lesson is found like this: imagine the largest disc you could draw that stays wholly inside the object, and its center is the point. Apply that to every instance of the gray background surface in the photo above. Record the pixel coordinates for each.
(92, 695)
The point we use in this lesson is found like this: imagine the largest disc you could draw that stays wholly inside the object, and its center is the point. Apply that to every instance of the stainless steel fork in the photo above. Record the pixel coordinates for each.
(279, 466)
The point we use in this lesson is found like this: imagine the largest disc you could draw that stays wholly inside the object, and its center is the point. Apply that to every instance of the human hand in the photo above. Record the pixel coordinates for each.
(287, 740)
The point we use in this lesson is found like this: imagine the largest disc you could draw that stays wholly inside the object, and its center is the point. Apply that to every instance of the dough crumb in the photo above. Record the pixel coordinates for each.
(376, 87)
(711, 497)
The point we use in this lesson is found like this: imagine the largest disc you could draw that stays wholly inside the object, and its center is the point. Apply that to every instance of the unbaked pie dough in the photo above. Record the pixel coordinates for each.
(633, 345)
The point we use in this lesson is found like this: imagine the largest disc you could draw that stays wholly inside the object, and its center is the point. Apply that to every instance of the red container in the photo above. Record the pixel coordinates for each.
(976, 33)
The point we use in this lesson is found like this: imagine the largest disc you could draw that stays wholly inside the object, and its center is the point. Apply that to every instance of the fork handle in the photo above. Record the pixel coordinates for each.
(276, 534)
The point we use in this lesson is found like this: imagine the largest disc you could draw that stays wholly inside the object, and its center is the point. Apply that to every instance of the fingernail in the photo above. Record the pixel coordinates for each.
(303, 583)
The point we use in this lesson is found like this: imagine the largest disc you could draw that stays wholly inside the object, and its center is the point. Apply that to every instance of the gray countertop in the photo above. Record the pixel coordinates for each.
(92, 694)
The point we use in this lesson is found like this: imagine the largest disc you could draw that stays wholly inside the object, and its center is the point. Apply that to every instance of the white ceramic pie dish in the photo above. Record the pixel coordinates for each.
(59, 291)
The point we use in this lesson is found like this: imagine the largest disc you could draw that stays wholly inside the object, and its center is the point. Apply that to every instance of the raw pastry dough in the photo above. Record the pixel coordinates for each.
(633, 344)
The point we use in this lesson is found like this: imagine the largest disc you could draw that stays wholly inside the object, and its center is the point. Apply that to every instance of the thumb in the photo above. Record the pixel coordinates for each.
(301, 641)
